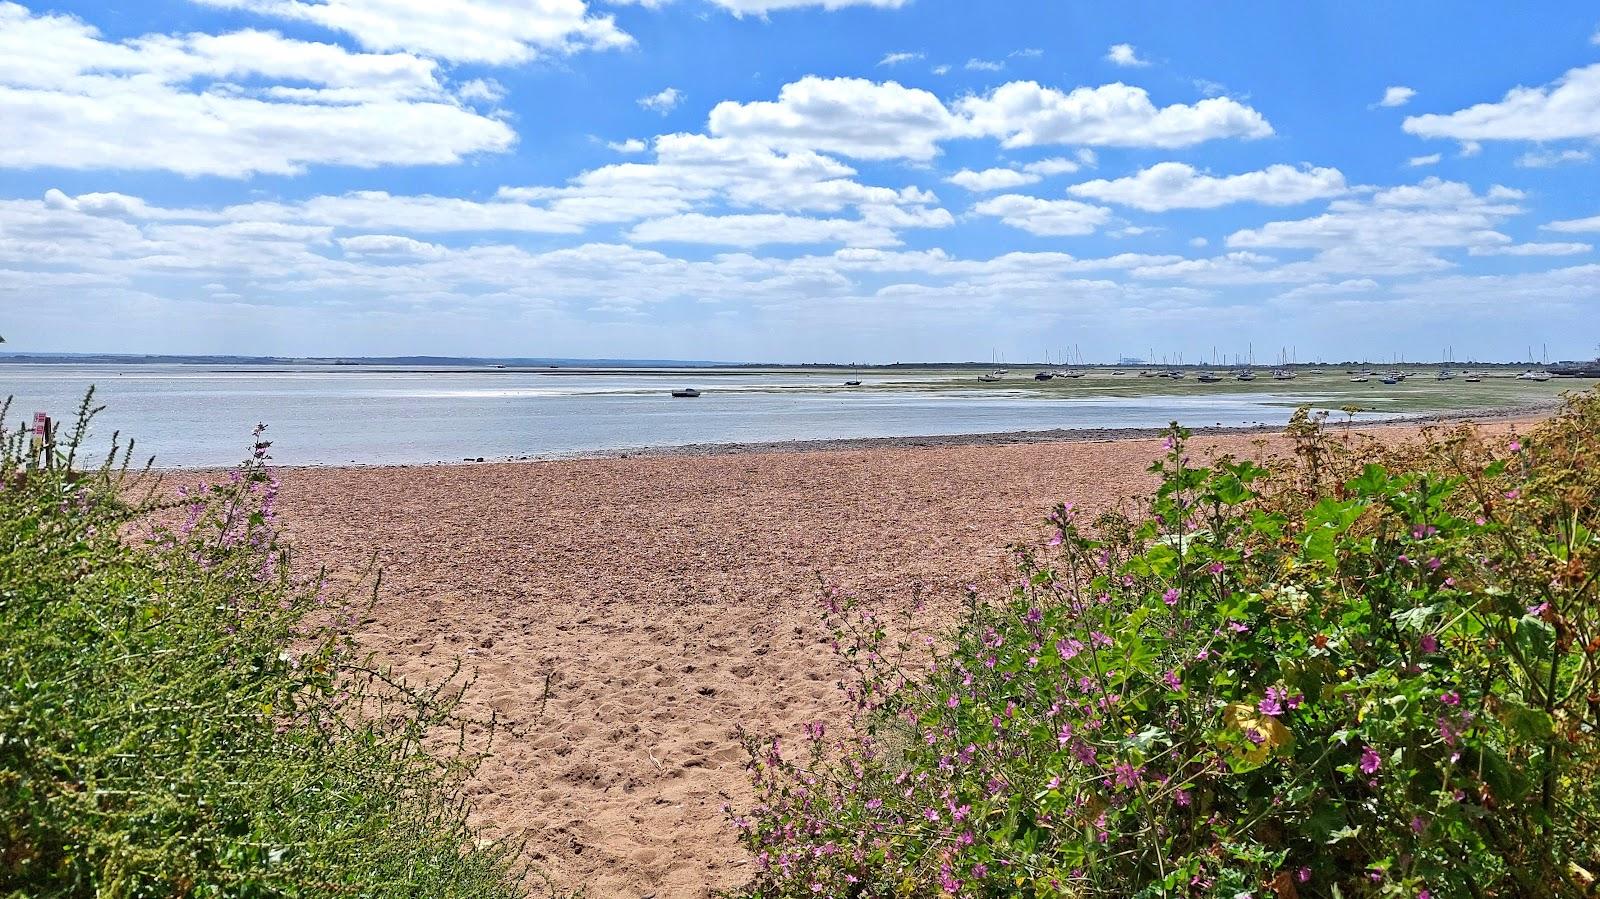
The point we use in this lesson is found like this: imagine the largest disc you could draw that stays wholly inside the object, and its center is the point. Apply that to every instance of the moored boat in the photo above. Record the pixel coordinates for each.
(686, 392)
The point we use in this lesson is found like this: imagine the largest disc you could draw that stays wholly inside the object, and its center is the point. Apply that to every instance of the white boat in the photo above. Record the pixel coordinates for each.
(1472, 378)
(1282, 374)
(686, 392)
(1245, 375)
(1208, 377)
(1536, 375)
(1359, 379)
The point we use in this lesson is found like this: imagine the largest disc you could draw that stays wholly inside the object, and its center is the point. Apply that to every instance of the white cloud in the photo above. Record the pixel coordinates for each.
(390, 246)
(761, 229)
(1595, 38)
(1531, 249)
(984, 65)
(1543, 159)
(231, 105)
(1575, 226)
(894, 59)
(942, 69)
(991, 179)
(497, 32)
(1057, 165)
(1124, 55)
(1045, 217)
(1175, 185)
(1420, 161)
(1397, 96)
(1397, 230)
(1025, 114)
(663, 102)
(1469, 149)
(1198, 242)
(852, 116)
(1026, 53)
(631, 145)
(1567, 109)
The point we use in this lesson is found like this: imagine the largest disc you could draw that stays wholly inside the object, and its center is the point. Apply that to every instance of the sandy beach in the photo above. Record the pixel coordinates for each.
(625, 613)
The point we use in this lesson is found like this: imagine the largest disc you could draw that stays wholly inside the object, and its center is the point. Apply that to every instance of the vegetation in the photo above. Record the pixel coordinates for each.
(1370, 672)
(181, 716)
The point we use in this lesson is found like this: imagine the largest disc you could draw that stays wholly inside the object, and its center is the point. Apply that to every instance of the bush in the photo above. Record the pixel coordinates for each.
(1371, 673)
(173, 723)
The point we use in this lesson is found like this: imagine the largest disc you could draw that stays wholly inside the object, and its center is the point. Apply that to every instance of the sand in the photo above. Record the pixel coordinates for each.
(624, 614)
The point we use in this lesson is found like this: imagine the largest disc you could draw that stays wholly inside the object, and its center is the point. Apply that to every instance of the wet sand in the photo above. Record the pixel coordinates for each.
(625, 613)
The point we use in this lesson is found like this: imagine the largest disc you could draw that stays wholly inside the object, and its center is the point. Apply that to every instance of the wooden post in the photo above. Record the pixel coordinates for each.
(41, 444)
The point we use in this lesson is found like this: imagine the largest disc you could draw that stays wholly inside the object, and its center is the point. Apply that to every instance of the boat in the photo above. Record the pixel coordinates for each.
(1044, 375)
(1535, 375)
(1208, 377)
(1175, 375)
(852, 383)
(1390, 379)
(1282, 374)
(686, 392)
(1472, 378)
(1359, 379)
(990, 379)
(1245, 374)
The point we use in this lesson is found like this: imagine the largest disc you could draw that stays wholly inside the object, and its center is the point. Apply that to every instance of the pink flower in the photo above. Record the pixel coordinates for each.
(1515, 446)
(1171, 596)
(1127, 776)
(1099, 639)
(1451, 698)
(1056, 538)
(1215, 568)
(1430, 643)
(1172, 681)
(1513, 494)
(1370, 760)
(1303, 875)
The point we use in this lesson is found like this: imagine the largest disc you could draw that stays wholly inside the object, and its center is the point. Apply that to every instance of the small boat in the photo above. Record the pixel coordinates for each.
(1282, 374)
(1540, 375)
(686, 392)
(1044, 375)
(1246, 375)
(990, 379)
(1390, 379)
(1175, 375)
(1359, 379)
(852, 383)
(1472, 378)
(1208, 377)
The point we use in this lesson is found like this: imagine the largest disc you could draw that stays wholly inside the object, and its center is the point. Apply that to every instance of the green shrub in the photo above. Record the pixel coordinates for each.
(173, 723)
(1371, 673)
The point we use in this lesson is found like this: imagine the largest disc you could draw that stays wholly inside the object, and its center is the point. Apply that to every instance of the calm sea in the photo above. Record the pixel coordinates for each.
(188, 415)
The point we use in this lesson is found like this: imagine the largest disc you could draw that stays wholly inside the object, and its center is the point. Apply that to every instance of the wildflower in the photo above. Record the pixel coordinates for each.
(1538, 611)
(1303, 875)
(953, 701)
(1433, 564)
(1172, 681)
(1450, 698)
(1215, 568)
(1273, 704)
(1068, 648)
(1513, 494)
(1515, 446)
(1430, 643)
(1370, 760)
(1127, 776)
(1056, 538)
(1183, 798)
(1099, 639)
(1239, 627)
(1171, 596)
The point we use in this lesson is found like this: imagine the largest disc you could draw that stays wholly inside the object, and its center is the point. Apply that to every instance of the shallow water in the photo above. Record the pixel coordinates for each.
(188, 415)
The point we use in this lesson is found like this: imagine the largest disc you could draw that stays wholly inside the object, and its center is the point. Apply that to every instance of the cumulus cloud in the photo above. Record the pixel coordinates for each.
(1569, 108)
(1052, 218)
(1420, 161)
(1025, 114)
(232, 104)
(497, 32)
(663, 101)
(1124, 55)
(631, 145)
(1175, 185)
(1531, 249)
(851, 116)
(991, 179)
(984, 65)
(1397, 96)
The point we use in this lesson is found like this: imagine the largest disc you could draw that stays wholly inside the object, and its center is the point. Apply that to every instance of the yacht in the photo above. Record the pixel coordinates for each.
(1535, 375)
(1208, 377)
(686, 392)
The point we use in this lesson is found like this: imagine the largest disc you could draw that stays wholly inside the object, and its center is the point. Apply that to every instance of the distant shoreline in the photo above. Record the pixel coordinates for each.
(1003, 438)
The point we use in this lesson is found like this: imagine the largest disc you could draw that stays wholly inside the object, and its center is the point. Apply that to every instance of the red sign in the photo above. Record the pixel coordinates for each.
(41, 424)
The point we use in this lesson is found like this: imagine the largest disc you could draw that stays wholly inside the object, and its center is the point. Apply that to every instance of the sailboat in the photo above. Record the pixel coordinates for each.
(1445, 374)
(1283, 372)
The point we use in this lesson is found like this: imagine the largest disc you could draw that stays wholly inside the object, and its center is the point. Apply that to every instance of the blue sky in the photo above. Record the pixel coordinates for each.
(797, 180)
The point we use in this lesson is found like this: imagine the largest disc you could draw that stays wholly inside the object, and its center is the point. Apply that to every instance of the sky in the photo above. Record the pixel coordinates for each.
(801, 180)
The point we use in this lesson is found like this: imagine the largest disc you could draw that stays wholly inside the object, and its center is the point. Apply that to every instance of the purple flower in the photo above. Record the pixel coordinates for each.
(1099, 639)
(1370, 760)
(1171, 596)
(1430, 643)
(1273, 704)
(1172, 681)
(1127, 776)
(1303, 875)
